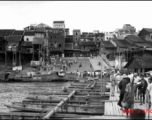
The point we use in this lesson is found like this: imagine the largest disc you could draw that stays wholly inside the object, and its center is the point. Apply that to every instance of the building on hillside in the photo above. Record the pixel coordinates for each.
(108, 49)
(123, 53)
(88, 46)
(127, 29)
(96, 32)
(68, 49)
(26, 47)
(59, 24)
(146, 34)
(67, 32)
(84, 34)
(38, 43)
(109, 36)
(140, 64)
(4, 34)
(56, 41)
(12, 48)
(76, 39)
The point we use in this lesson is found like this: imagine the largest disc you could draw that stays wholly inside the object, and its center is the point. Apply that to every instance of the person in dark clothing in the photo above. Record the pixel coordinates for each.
(122, 86)
(6, 76)
(138, 114)
(142, 87)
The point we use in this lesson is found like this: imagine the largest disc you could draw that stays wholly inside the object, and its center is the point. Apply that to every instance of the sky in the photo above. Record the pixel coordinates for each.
(105, 16)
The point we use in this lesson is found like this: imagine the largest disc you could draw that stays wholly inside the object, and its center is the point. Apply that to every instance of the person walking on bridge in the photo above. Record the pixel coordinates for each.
(113, 83)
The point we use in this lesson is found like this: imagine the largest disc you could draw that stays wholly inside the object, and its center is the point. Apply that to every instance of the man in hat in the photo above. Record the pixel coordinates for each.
(122, 86)
(142, 86)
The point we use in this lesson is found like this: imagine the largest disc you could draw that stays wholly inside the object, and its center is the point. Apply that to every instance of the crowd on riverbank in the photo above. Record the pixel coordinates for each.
(131, 86)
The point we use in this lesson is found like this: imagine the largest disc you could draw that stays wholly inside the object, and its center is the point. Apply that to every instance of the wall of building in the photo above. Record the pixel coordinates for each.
(58, 25)
(30, 38)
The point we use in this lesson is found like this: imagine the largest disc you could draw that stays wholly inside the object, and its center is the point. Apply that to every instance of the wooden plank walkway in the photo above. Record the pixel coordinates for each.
(112, 109)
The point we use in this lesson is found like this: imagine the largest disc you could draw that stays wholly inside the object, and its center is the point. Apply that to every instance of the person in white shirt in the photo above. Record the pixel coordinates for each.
(136, 80)
(131, 76)
(113, 83)
(147, 76)
(118, 78)
(149, 90)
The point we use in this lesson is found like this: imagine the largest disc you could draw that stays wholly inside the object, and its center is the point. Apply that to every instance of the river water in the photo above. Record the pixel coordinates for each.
(16, 92)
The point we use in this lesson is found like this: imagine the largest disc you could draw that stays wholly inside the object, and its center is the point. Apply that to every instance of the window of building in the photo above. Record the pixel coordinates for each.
(55, 36)
(75, 33)
(76, 39)
(27, 39)
(59, 45)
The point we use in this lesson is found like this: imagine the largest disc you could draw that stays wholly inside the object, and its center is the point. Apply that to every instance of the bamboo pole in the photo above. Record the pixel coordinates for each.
(50, 113)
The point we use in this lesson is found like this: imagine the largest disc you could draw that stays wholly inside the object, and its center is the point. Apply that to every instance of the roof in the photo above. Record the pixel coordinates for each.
(119, 44)
(148, 30)
(6, 32)
(143, 44)
(108, 44)
(134, 38)
(76, 30)
(14, 38)
(145, 31)
(38, 41)
(24, 43)
(142, 62)
(127, 44)
(58, 21)
(29, 33)
(18, 32)
(40, 30)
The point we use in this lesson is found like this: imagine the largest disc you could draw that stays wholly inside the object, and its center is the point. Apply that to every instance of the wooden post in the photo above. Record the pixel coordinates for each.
(50, 113)
(19, 58)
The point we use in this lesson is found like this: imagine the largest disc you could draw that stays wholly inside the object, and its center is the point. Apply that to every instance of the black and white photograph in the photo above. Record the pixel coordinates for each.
(75, 60)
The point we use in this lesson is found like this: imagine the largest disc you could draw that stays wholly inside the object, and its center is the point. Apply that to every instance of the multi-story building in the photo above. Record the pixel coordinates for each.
(146, 34)
(12, 48)
(56, 41)
(26, 47)
(59, 24)
(68, 49)
(127, 29)
(76, 39)
(4, 34)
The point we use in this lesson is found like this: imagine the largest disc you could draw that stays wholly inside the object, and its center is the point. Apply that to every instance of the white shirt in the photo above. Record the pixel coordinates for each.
(131, 77)
(136, 79)
(149, 88)
(118, 78)
(146, 78)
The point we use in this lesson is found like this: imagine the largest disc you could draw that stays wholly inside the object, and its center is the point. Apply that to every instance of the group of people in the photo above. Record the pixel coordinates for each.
(88, 74)
(131, 86)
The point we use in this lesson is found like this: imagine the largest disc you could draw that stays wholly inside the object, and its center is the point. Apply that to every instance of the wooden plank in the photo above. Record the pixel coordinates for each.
(51, 112)
(114, 109)
(105, 109)
(110, 111)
